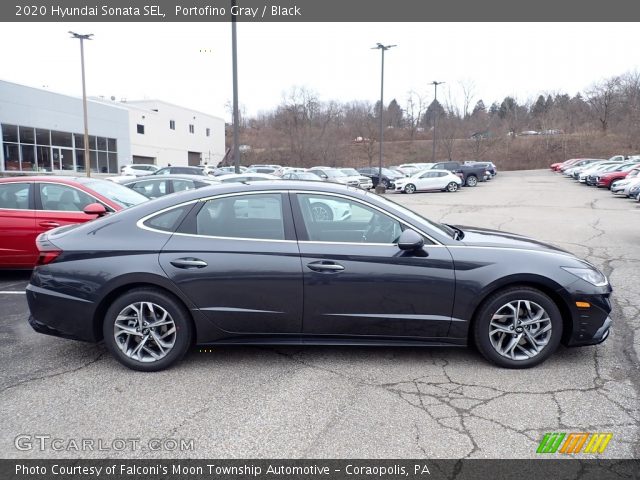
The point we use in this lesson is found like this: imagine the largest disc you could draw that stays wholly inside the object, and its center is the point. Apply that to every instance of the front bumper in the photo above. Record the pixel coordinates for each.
(591, 325)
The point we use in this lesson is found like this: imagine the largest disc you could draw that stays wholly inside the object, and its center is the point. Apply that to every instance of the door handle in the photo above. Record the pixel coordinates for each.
(188, 263)
(322, 266)
(49, 224)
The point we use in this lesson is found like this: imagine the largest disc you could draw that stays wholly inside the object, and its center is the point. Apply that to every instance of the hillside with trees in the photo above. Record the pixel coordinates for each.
(305, 130)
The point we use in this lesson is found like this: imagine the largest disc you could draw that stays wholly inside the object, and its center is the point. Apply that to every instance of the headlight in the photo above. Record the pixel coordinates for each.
(591, 275)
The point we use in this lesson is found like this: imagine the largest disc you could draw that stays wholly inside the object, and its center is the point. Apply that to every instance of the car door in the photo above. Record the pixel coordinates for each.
(357, 282)
(237, 259)
(58, 204)
(17, 225)
(426, 181)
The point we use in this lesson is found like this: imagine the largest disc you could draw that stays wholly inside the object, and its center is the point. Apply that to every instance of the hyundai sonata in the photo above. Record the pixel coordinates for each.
(257, 264)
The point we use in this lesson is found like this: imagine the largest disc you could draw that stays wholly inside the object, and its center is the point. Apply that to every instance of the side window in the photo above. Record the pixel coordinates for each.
(426, 175)
(14, 196)
(151, 188)
(167, 221)
(337, 219)
(63, 198)
(180, 185)
(243, 216)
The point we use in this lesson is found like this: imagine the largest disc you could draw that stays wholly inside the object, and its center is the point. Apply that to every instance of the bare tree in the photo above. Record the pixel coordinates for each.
(603, 98)
(468, 87)
(414, 111)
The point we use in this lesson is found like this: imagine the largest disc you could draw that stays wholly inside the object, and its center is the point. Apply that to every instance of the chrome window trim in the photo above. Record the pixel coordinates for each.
(140, 223)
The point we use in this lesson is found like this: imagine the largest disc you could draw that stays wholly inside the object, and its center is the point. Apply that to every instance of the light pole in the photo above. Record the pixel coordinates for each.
(435, 116)
(87, 158)
(234, 56)
(380, 188)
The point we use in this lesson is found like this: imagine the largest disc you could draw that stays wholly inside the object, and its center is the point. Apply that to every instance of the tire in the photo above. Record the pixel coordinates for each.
(122, 313)
(452, 187)
(496, 346)
(321, 212)
(410, 188)
(471, 181)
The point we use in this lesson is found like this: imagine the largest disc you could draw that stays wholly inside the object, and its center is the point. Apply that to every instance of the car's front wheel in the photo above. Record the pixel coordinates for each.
(471, 181)
(518, 327)
(410, 188)
(147, 330)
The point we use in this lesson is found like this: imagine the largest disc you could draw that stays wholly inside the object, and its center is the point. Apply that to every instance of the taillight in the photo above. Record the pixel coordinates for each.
(48, 252)
(47, 257)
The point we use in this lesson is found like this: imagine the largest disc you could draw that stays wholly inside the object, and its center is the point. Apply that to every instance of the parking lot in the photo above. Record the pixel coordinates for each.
(326, 402)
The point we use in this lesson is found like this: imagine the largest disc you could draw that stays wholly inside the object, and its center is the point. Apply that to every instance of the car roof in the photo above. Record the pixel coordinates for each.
(245, 174)
(175, 176)
(52, 178)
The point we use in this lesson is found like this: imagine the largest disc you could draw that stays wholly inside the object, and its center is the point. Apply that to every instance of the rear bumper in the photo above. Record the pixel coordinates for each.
(60, 315)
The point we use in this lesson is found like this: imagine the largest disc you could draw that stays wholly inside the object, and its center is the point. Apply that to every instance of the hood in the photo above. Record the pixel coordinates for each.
(483, 237)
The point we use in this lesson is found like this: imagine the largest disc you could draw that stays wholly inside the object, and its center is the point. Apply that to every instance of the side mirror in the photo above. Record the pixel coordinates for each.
(95, 209)
(410, 240)
(323, 176)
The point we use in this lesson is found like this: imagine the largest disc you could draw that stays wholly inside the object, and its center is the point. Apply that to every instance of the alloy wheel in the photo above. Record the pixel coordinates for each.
(144, 332)
(410, 188)
(452, 187)
(520, 330)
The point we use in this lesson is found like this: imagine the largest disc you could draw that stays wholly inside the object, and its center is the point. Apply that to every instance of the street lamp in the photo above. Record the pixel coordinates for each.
(380, 188)
(234, 60)
(87, 158)
(435, 116)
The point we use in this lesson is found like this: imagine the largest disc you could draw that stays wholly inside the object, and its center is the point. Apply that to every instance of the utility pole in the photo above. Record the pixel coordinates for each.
(435, 116)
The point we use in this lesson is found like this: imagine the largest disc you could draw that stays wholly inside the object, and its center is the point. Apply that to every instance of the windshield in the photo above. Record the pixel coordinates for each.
(350, 171)
(441, 228)
(333, 173)
(307, 176)
(123, 196)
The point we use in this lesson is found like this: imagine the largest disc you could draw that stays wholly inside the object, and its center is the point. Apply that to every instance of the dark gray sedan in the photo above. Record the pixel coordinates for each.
(255, 264)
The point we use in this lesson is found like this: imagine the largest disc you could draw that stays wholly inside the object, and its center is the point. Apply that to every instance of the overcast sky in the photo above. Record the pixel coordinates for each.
(189, 64)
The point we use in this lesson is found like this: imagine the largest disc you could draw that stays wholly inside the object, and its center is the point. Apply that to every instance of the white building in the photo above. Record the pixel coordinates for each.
(43, 131)
(162, 133)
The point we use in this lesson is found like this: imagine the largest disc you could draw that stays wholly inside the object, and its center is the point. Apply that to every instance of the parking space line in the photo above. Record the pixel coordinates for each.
(10, 292)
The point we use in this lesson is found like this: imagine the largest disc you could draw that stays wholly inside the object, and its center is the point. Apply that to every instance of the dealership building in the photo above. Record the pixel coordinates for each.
(42, 131)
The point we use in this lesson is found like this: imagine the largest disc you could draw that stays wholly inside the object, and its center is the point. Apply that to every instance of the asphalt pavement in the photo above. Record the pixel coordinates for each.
(65, 399)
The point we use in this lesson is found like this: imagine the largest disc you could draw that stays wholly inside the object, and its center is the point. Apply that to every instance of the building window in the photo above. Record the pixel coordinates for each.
(208, 132)
(191, 128)
(140, 129)
(172, 124)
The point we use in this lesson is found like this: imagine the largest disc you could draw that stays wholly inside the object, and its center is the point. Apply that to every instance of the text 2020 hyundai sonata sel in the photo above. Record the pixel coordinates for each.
(256, 264)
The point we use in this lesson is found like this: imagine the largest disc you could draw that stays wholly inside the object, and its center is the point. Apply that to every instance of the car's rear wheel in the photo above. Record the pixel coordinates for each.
(518, 327)
(410, 188)
(471, 181)
(147, 330)
(452, 187)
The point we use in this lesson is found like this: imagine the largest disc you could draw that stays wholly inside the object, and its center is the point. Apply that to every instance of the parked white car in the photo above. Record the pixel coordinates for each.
(245, 177)
(429, 180)
(365, 182)
(138, 169)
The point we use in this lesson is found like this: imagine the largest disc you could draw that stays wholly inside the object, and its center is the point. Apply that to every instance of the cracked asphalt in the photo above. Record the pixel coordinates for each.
(329, 402)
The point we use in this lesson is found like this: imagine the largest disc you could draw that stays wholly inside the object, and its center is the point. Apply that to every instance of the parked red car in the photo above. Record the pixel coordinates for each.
(608, 178)
(556, 166)
(32, 205)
